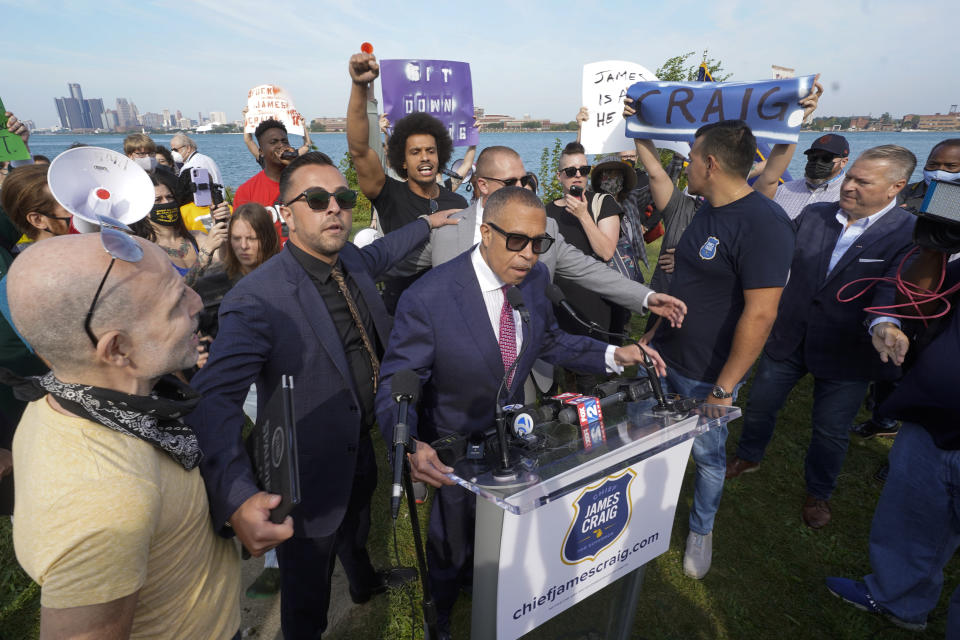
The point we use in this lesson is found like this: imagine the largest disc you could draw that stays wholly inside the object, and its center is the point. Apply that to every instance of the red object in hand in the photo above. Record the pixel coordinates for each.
(366, 47)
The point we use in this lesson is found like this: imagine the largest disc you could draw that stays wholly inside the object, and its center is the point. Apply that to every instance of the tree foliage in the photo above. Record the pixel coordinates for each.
(678, 69)
(362, 210)
(549, 166)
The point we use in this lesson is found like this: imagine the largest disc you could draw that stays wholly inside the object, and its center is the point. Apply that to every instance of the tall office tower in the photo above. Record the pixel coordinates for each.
(136, 113)
(93, 108)
(124, 114)
(110, 120)
(71, 114)
(166, 118)
(218, 117)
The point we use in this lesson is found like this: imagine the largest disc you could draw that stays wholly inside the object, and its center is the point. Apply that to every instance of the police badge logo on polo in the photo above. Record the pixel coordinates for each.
(709, 249)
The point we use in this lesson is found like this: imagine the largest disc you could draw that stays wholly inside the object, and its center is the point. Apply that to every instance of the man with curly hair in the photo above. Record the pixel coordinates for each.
(418, 149)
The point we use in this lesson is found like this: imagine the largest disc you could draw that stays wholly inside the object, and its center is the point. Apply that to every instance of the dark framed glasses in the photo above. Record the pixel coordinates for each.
(121, 246)
(572, 171)
(518, 241)
(318, 198)
(510, 182)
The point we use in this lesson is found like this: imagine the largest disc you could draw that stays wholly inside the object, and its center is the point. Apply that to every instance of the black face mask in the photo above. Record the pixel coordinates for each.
(818, 169)
(165, 213)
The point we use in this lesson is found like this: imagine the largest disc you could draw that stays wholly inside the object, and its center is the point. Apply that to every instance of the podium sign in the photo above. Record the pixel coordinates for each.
(584, 541)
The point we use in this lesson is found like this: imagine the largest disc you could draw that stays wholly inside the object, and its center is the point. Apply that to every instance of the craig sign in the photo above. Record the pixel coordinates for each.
(570, 548)
(675, 110)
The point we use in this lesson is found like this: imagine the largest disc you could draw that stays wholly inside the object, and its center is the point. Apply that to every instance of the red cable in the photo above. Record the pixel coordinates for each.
(916, 296)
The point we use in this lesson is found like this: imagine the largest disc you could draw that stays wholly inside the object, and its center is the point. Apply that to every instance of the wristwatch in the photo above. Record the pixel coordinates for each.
(719, 393)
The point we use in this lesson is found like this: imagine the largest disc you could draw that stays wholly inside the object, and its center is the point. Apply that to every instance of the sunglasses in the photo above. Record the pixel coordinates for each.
(318, 198)
(518, 241)
(510, 182)
(60, 218)
(572, 171)
(120, 246)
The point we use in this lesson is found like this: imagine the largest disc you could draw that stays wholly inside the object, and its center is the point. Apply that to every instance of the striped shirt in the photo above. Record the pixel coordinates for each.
(793, 196)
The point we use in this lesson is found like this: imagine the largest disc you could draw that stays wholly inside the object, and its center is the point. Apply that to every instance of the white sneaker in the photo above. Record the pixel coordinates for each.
(696, 559)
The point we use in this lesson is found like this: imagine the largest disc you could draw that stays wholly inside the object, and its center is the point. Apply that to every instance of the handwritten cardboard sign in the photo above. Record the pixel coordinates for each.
(675, 110)
(442, 88)
(604, 88)
(12, 146)
(268, 101)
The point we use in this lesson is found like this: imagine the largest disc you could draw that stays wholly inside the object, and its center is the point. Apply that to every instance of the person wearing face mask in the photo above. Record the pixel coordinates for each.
(190, 252)
(31, 207)
(943, 164)
(826, 159)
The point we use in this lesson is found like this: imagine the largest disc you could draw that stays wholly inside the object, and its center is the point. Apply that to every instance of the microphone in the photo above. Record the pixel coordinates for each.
(451, 174)
(558, 299)
(405, 390)
(515, 300)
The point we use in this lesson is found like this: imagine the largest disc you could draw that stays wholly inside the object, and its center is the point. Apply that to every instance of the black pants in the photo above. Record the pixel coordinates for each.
(306, 564)
(450, 547)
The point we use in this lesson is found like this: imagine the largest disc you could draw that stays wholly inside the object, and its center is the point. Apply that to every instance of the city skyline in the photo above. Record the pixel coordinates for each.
(518, 66)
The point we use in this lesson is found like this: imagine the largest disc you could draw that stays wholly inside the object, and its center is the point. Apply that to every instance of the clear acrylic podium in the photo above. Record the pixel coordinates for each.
(553, 544)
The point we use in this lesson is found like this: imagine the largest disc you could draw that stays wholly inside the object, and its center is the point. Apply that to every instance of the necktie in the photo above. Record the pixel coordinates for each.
(508, 335)
(337, 276)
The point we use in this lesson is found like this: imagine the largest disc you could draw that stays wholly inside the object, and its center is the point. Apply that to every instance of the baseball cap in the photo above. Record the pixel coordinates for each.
(831, 143)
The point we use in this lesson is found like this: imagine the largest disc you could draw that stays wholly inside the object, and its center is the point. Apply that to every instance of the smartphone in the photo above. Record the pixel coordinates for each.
(576, 191)
(200, 179)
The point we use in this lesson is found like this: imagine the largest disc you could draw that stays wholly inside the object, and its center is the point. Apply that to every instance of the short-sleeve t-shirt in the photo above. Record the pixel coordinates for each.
(588, 303)
(262, 190)
(747, 244)
(397, 205)
(100, 514)
(676, 217)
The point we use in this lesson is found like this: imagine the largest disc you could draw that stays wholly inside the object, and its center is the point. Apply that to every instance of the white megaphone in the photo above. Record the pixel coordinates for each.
(91, 181)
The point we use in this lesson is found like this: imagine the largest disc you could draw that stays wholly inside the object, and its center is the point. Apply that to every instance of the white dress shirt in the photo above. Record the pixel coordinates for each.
(494, 299)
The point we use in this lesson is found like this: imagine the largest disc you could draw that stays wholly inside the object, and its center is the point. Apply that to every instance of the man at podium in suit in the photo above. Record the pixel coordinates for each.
(457, 331)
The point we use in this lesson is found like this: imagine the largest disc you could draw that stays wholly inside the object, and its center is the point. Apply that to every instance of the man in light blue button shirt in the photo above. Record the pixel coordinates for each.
(863, 236)
(822, 177)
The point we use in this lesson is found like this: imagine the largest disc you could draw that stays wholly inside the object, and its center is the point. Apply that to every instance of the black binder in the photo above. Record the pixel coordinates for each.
(273, 447)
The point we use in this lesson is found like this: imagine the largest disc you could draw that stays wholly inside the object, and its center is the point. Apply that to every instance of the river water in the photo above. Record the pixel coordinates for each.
(237, 165)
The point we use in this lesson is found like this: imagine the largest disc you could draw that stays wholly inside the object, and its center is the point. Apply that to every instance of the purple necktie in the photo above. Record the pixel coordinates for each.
(508, 335)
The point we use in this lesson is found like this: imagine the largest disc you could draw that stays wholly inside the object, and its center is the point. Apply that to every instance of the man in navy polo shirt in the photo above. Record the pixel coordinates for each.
(731, 265)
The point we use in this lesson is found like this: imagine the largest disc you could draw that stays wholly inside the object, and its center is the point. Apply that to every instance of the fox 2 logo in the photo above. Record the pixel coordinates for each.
(709, 249)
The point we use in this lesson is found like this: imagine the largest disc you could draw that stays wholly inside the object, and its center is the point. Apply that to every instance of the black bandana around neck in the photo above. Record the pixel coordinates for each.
(155, 418)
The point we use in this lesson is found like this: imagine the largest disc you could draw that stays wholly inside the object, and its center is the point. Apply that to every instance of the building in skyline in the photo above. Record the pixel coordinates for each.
(93, 111)
(218, 117)
(75, 112)
(125, 117)
(166, 118)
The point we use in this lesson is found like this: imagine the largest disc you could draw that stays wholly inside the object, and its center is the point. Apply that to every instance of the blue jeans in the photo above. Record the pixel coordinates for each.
(835, 405)
(916, 528)
(709, 452)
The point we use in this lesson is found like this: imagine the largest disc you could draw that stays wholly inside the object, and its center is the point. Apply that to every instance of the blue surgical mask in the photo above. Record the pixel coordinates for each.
(942, 176)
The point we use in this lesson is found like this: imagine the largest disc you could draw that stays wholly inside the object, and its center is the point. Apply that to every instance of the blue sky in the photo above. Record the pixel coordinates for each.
(204, 55)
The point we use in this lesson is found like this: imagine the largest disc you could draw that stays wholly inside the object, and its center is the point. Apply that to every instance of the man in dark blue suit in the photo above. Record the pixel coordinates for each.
(456, 330)
(864, 235)
(312, 312)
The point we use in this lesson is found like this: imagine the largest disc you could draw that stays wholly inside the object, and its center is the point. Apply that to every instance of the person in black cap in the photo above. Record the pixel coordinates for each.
(822, 177)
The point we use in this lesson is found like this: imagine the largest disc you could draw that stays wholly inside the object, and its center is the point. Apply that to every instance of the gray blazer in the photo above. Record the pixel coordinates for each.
(561, 259)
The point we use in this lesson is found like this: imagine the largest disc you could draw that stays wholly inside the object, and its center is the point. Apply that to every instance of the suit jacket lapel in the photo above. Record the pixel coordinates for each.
(874, 232)
(469, 301)
(466, 228)
(831, 230)
(316, 314)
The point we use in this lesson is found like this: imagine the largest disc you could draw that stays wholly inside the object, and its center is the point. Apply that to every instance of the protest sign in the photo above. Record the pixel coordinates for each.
(268, 101)
(11, 145)
(442, 88)
(675, 110)
(604, 88)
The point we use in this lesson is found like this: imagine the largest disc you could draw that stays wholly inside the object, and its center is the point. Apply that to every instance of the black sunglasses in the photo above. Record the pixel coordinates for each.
(572, 171)
(120, 246)
(318, 198)
(518, 241)
(53, 217)
(510, 182)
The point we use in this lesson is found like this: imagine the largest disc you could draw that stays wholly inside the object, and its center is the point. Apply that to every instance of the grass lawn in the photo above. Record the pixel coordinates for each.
(768, 568)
